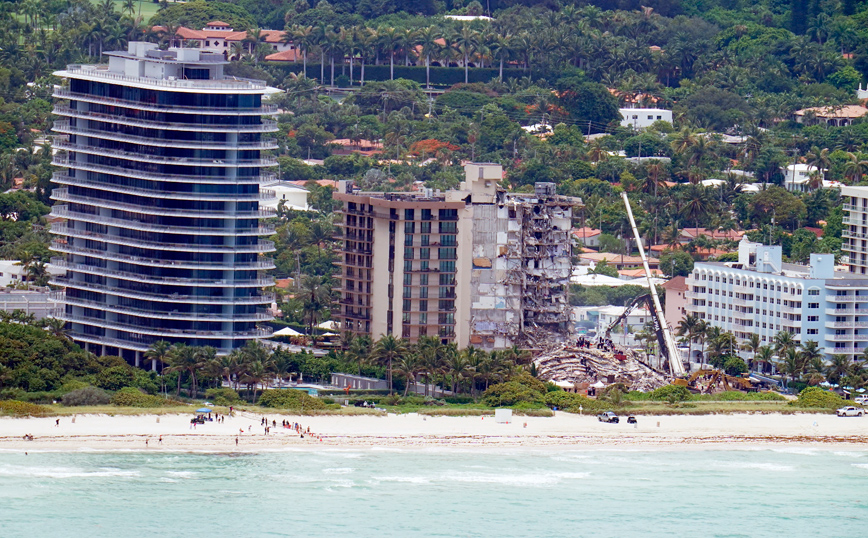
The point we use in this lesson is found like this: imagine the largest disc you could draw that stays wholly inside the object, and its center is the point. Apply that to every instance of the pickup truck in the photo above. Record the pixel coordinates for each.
(609, 417)
(861, 400)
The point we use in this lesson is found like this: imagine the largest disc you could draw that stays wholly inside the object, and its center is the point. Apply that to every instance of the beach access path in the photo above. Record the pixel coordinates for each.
(125, 432)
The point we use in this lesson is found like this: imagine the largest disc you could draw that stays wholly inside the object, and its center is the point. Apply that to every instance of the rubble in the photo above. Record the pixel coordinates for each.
(582, 367)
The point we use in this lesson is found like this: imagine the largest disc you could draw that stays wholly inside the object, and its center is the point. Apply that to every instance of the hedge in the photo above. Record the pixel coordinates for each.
(291, 399)
(86, 396)
(440, 76)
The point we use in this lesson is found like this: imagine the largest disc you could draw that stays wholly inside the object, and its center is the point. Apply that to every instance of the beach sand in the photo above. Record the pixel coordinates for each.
(104, 432)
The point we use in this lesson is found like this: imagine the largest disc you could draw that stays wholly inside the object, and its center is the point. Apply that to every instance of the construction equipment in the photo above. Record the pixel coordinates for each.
(668, 347)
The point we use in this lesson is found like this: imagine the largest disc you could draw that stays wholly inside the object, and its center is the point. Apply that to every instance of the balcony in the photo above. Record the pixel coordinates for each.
(62, 211)
(66, 248)
(62, 195)
(64, 127)
(260, 246)
(267, 126)
(163, 159)
(262, 195)
(153, 279)
(847, 324)
(63, 160)
(845, 311)
(263, 110)
(159, 331)
(160, 297)
(847, 337)
(843, 350)
(259, 315)
(844, 298)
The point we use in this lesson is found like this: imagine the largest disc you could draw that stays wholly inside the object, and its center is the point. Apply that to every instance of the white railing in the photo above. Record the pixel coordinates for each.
(162, 159)
(264, 110)
(62, 195)
(265, 125)
(265, 298)
(259, 246)
(101, 71)
(262, 195)
(66, 248)
(259, 315)
(62, 211)
(63, 126)
(63, 160)
(139, 277)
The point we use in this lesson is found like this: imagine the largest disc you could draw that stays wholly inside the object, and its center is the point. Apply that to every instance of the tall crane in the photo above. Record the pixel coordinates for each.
(668, 347)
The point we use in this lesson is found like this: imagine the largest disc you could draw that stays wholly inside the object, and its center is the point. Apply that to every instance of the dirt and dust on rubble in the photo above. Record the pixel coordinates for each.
(567, 365)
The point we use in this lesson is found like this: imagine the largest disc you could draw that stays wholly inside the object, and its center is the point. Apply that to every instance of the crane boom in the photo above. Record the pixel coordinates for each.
(670, 349)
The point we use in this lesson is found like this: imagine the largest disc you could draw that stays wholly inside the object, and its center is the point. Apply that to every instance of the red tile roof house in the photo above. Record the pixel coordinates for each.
(589, 237)
(689, 234)
(218, 36)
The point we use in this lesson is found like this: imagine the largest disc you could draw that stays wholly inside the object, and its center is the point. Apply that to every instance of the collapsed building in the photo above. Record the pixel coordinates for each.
(578, 369)
(475, 266)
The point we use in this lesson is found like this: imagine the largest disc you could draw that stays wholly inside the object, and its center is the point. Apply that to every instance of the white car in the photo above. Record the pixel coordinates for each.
(849, 411)
(861, 400)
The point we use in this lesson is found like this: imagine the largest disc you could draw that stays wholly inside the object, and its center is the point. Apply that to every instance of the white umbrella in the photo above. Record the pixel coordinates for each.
(599, 385)
(330, 325)
(286, 331)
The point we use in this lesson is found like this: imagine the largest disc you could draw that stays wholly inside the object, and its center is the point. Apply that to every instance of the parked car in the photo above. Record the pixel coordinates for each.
(609, 417)
(850, 411)
(631, 420)
(861, 400)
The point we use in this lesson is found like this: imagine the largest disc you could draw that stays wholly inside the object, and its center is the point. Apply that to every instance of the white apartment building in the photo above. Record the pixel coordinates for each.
(761, 295)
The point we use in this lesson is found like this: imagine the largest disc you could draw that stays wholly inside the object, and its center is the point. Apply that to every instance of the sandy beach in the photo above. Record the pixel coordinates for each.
(103, 432)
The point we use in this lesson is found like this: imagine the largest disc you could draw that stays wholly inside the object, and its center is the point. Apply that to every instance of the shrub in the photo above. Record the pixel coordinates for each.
(290, 399)
(86, 396)
(670, 393)
(133, 397)
(511, 393)
(223, 396)
(71, 385)
(115, 378)
(16, 408)
(817, 398)
(572, 403)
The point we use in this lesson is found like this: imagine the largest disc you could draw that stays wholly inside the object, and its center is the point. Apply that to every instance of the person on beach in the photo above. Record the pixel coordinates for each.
(160, 441)
(236, 440)
(146, 443)
(57, 423)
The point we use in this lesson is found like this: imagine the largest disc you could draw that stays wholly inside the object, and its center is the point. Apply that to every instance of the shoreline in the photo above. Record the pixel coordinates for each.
(413, 431)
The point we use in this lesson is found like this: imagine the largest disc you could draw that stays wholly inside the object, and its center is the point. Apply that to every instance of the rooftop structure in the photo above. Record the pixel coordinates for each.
(838, 116)
(161, 200)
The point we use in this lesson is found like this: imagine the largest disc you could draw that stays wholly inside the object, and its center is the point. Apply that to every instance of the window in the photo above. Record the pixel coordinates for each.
(423, 319)
(814, 292)
(408, 292)
(408, 214)
(424, 240)
(423, 293)
(813, 305)
(446, 319)
(446, 305)
(447, 280)
(408, 240)
(650, 116)
(812, 331)
(408, 279)
(448, 214)
(449, 227)
(409, 227)
(446, 253)
(423, 266)
(447, 292)
(408, 265)
(448, 240)
(407, 305)
(425, 227)
(426, 214)
(408, 253)
(813, 318)
(423, 306)
(423, 280)
(424, 253)
(447, 267)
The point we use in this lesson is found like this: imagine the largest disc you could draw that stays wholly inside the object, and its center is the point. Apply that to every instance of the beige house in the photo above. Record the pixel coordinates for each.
(676, 301)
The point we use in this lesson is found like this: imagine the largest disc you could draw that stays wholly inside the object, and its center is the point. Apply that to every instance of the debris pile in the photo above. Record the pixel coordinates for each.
(581, 367)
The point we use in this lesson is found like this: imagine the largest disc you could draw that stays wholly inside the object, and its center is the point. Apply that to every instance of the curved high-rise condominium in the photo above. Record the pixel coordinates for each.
(161, 189)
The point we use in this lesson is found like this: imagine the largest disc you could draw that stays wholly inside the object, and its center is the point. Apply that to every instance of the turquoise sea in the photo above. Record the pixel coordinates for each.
(789, 492)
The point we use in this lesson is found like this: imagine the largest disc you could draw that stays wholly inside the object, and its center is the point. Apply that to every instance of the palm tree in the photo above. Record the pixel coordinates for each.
(456, 365)
(157, 352)
(838, 367)
(388, 41)
(784, 341)
(466, 41)
(752, 344)
(409, 366)
(855, 168)
(819, 159)
(387, 350)
(428, 39)
(764, 356)
(181, 358)
(697, 204)
(359, 350)
(809, 353)
(790, 364)
(687, 329)
(315, 296)
(56, 327)
(302, 37)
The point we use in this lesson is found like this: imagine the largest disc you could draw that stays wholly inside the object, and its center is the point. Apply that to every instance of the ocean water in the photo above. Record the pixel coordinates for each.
(790, 492)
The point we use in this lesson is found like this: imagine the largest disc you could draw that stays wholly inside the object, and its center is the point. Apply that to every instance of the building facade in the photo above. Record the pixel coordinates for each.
(474, 266)
(761, 295)
(161, 200)
(855, 232)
